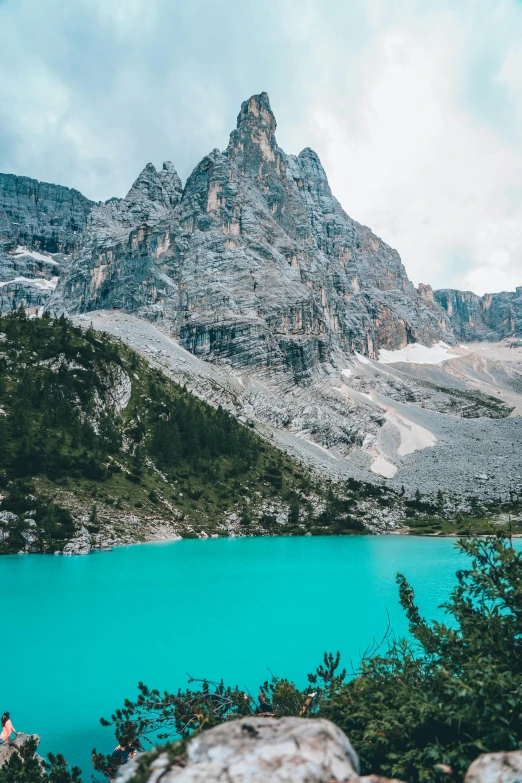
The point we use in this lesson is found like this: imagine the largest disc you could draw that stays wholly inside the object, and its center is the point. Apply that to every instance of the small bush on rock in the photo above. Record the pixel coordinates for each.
(24, 766)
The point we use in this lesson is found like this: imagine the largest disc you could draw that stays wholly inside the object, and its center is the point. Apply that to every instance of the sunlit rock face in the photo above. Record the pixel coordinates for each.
(254, 263)
(489, 317)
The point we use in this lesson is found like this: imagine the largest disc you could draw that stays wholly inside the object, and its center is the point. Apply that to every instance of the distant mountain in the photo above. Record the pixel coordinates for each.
(253, 262)
(253, 266)
(489, 317)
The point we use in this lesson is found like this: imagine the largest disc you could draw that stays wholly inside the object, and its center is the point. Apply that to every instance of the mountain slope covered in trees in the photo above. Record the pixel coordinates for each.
(99, 448)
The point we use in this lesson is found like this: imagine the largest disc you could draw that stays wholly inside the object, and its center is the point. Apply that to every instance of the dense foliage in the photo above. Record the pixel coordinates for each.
(421, 710)
(24, 766)
(67, 446)
(54, 381)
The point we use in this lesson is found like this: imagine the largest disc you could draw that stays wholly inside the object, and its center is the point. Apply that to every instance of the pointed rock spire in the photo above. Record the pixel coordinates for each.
(161, 187)
(148, 185)
(257, 113)
(171, 182)
(253, 145)
(313, 173)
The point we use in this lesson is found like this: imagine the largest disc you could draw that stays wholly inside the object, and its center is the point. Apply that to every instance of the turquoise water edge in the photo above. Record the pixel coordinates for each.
(78, 633)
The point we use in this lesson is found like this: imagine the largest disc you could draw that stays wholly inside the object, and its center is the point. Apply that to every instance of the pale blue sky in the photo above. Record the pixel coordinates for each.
(415, 107)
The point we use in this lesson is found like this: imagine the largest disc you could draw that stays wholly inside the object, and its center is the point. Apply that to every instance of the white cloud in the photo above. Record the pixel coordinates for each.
(417, 165)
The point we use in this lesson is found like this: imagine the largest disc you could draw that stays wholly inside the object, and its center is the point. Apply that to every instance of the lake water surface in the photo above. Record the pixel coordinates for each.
(78, 633)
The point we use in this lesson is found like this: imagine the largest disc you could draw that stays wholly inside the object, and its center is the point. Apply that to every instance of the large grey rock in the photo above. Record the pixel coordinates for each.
(496, 768)
(8, 517)
(81, 544)
(257, 750)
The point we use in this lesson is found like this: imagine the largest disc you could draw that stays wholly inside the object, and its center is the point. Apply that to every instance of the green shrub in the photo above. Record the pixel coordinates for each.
(415, 709)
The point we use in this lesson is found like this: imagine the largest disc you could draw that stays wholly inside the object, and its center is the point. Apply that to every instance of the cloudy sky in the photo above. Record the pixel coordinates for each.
(414, 107)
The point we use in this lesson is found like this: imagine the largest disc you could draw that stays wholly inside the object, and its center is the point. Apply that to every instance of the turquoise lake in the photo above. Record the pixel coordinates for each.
(78, 633)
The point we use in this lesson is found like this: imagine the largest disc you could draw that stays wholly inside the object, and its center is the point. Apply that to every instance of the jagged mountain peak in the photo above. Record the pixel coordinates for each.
(256, 240)
(148, 184)
(311, 166)
(163, 188)
(257, 112)
(171, 182)
(253, 144)
(255, 234)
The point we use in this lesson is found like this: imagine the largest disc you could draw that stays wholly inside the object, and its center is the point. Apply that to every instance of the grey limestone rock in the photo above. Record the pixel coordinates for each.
(116, 265)
(496, 768)
(81, 544)
(255, 750)
(8, 517)
(8, 749)
(489, 317)
(40, 224)
(253, 263)
(40, 215)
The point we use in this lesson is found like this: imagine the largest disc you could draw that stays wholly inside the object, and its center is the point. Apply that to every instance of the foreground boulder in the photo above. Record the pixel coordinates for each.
(496, 768)
(257, 750)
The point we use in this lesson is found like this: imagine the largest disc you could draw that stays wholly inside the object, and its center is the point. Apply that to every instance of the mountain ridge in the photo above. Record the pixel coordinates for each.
(350, 288)
(253, 266)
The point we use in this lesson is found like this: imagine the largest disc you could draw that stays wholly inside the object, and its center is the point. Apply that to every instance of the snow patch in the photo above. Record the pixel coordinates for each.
(415, 353)
(413, 436)
(363, 359)
(346, 372)
(23, 251)
(44, 285)
(382, 467)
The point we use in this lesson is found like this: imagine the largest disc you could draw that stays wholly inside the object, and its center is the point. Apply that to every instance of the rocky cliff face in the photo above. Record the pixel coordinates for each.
(488, 317)
(254, 266)
(39, 215)
(40, 226)
(254, 263)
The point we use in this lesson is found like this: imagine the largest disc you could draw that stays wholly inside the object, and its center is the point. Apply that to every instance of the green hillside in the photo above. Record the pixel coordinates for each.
(98, 448)
(91, 436)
